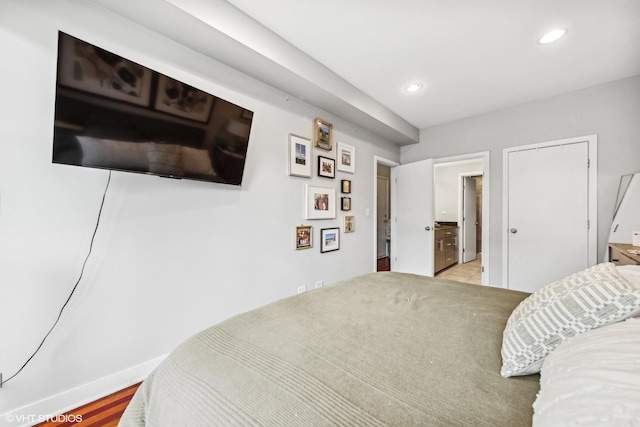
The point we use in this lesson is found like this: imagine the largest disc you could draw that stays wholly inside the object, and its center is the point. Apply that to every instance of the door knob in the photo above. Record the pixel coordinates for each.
(427, 228)
(514, 230)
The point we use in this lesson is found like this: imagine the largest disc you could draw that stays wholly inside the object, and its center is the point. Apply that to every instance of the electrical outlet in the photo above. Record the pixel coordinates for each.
(318, 284)
(302, 289)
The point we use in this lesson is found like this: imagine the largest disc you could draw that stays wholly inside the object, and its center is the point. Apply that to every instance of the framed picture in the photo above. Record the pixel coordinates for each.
(88, 68)
(349, 224)
(346, 158)
(329, 239)
(299, 156)
(182, 100)
(345, 186)
(346, 204)
(326, 167)
(320, 203)
(322, 134)
(304, 237)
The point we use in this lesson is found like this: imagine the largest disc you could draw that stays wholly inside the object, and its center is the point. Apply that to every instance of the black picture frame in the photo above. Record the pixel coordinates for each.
(346, 204)
(326, 167)
(345, 186)
(329, 239)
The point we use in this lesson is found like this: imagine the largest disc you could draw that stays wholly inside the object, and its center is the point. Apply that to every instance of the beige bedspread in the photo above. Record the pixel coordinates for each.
(380, 349)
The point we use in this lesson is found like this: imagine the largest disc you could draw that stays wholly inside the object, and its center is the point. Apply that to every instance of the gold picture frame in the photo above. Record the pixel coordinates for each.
(322, 134)
(304, 237)
(349, 224)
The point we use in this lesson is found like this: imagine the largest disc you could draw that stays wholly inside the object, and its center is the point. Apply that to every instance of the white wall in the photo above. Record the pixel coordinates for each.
(170, 257)
(446, 180)
(611, 111)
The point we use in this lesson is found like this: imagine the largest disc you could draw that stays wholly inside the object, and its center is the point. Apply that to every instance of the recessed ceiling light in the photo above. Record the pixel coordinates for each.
(552, 36)
(413, 87)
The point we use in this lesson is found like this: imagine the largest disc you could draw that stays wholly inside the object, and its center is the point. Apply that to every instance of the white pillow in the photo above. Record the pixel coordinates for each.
(592, 379)
(631, 273)
(580, 302)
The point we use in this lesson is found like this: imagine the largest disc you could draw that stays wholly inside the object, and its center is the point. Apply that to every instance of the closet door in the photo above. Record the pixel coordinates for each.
(547, 214)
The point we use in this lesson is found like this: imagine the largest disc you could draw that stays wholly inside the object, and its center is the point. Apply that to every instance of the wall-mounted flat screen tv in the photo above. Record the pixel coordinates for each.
(113, 113)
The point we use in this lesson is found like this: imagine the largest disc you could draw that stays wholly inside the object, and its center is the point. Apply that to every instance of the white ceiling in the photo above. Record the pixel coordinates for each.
(473, 56)
(353, 57)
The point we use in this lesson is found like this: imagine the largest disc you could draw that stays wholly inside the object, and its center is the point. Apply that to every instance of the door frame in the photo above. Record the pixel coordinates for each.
(485, 156)
(486, 191)
(592, 142)
(391, 164)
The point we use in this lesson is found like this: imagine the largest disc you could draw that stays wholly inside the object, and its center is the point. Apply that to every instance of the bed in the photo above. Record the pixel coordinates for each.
(380, 349)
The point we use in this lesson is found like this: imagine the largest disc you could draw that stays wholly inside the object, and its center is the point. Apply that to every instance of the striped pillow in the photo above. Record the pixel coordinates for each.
(580, 302)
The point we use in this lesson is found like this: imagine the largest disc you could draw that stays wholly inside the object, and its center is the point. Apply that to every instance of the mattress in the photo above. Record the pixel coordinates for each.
(379, 349)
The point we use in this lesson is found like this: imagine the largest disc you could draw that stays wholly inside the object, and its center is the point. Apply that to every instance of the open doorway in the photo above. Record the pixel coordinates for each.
(383, 218)
(432, 209)
(468, 265)
(458, 210)
(382, 213)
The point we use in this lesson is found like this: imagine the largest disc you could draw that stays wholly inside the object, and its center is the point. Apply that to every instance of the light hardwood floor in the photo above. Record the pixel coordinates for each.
(470, 272)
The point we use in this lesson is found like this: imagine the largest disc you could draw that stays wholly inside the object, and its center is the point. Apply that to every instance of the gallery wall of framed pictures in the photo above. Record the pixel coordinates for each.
(320, 199)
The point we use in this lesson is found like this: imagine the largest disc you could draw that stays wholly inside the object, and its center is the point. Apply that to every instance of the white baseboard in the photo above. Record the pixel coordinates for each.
(81, 395)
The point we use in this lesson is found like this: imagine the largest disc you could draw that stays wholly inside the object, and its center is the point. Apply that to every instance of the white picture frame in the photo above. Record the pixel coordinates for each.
(320, 202)
(346, 157)
(299, 156)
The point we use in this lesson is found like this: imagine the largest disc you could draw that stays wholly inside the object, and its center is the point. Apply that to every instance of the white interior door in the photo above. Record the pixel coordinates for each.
(547, 214)
(412, 228)
(469, 221)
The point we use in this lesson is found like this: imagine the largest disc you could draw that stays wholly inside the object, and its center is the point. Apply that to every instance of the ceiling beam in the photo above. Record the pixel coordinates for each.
(237, 40)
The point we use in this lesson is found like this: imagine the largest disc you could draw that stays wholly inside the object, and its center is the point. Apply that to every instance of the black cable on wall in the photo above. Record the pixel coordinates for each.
(104, 195)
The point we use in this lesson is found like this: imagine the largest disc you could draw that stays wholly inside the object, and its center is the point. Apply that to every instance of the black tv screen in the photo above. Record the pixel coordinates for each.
(113, 113)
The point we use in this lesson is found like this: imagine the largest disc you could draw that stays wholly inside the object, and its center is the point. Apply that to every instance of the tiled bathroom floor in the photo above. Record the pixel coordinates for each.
(470, 272)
